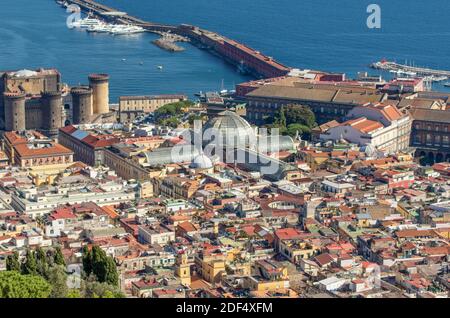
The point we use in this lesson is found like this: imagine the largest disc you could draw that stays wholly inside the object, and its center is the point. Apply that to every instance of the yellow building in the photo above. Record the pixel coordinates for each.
(183, 269)
(239, 267)
(268, 276)
(315, 160)
(146, 189)
(46, 174)
(259, 285)
(211, 266)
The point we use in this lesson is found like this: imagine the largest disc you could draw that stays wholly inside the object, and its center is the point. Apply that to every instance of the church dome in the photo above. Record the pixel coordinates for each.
(228, 128)
(202, 162)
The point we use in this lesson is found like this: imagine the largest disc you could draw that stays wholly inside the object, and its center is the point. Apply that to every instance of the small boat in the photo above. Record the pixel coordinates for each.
(123, 60)
(160, 67)
(447, 84)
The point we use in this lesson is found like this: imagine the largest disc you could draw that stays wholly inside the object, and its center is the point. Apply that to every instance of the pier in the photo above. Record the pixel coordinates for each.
(105, 13)
(401, 68)
(246, 59)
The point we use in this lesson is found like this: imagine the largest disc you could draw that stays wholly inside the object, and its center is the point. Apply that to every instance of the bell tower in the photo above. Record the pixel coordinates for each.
(183, 269)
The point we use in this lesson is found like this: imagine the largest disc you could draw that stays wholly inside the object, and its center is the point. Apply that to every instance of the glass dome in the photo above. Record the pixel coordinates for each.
(228, 129)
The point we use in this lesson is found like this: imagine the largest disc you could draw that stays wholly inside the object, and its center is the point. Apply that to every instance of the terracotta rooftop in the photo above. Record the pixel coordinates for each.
(363, 125)
(54, 150)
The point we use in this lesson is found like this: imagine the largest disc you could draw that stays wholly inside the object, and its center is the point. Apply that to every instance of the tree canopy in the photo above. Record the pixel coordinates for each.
(293, 118)
(12, 262)
(96, 262)
(29, 266)
(15, 285)
(102, 290)
(58, 258)
(299, 114)
(57, 277)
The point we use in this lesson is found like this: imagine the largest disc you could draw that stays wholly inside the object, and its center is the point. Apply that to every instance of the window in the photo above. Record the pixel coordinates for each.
(437, 140)
(445, 141)
(428, 139)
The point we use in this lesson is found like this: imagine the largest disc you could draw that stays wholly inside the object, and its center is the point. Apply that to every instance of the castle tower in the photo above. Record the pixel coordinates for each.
(52, 112)
(81, 104)
(14, 111)
(100, 93)
(183, 269)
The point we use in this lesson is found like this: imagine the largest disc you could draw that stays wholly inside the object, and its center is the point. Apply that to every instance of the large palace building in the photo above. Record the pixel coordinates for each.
(430, 134)
(328, 102)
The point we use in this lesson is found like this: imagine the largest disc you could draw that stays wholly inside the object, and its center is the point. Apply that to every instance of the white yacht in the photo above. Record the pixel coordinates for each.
(86, 23)
(101, 28)
(126, 29)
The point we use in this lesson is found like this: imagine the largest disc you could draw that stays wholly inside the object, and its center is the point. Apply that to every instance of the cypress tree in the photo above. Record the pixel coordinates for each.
(112, 277)
(41, 262)
(59, 258)
(29, 266)
(12, 262)
(87, 260)
(99, 261)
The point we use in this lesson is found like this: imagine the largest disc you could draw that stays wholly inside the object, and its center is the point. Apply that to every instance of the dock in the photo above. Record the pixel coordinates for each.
(245, 59)
(401, 68)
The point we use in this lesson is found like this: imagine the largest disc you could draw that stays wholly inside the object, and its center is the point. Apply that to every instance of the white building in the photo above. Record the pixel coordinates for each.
(37, 203)
(332, 283)
(155, 235)
(382, 126)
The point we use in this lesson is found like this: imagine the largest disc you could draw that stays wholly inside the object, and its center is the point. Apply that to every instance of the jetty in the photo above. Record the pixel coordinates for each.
(245, 59)
(168, 41)
(401, 68)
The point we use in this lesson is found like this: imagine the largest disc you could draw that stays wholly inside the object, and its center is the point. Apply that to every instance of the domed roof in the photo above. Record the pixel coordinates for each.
(229, 129)
(202, 162)
(25, 73)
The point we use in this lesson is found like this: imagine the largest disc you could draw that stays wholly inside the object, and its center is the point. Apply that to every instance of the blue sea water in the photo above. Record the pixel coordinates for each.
(326, 35)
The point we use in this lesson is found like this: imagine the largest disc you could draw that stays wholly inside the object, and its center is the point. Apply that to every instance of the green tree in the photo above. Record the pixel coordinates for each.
(302, 130)
(171, 122)
(58, 257)
(15, 285)
(73, 293)
(102, 290)
(111, 275)
(41, 262)
(57, 278)
(102, 266)
(193, 117)
(299, 114)
(99, 263)
(29, 266)
(12, 262)
(87, 260)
